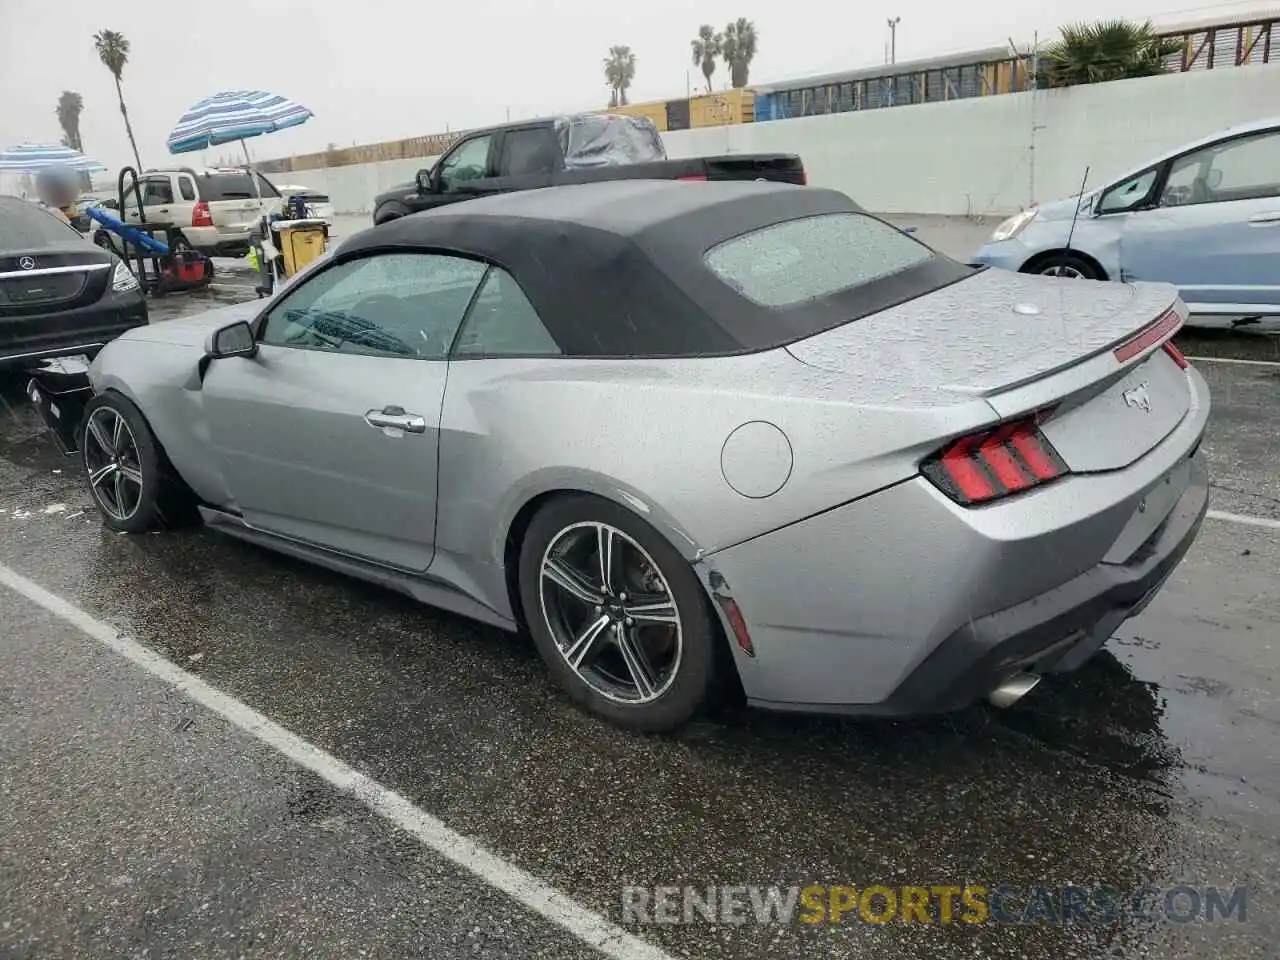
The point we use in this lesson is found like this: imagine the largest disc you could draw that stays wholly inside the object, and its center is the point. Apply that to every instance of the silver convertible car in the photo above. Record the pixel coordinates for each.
(692, 437)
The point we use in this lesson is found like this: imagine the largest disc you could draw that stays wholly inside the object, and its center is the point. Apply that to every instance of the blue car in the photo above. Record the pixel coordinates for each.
(1205, 217)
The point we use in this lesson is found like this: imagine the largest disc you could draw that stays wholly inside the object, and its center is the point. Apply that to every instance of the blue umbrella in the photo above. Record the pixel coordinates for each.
(34, 157)
(234, 115)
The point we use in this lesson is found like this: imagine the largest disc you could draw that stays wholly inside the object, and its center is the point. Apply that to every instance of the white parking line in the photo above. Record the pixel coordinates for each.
(1265, 522)
(588, 926)
(1243, 363)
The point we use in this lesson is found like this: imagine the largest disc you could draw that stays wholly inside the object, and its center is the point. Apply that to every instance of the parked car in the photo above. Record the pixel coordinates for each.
(1204, 217)
(217, 210)
(318, 205)
(567, 150)
(729, 430)
(59, 294)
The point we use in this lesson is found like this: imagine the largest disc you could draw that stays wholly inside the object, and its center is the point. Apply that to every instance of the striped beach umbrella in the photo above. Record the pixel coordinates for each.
(34, 157)
(234, 115)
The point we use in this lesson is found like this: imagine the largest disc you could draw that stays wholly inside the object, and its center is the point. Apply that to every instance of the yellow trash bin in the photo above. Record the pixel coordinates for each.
(301, 241)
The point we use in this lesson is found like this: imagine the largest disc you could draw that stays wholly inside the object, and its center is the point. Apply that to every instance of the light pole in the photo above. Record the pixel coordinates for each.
(893, 38)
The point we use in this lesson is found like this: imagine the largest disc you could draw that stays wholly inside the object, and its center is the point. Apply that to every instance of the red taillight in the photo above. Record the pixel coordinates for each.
(694, 176)
(995, 463)
(1172, 350)
(804, 178)
(200, 215)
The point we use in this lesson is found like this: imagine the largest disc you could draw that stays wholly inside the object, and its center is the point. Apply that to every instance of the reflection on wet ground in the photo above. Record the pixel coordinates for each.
(1157, 763)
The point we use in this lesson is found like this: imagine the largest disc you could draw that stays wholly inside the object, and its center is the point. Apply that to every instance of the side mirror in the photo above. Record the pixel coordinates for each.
(111, 204)
(233, 340)
(424, 181)
(1214, 180)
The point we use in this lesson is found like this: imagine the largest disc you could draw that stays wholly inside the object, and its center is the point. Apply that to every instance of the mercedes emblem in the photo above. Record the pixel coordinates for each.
(27, 263)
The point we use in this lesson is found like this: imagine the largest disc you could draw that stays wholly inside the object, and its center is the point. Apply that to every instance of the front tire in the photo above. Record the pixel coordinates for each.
(129, 478)
(1067, 265)
(617, 614)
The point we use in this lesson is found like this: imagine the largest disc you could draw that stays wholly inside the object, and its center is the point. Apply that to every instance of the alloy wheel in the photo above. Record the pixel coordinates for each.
(114, 466)
(1062, 270)
(611, 613)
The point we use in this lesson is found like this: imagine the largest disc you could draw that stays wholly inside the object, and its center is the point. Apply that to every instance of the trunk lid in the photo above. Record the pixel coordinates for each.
(52, 278)
(1025, 344)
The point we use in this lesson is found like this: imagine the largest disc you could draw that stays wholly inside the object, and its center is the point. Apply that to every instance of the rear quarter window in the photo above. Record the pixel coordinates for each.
(790, 263)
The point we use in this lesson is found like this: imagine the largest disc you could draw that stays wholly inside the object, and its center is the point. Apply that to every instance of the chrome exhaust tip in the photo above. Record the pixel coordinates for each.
(1012, 689)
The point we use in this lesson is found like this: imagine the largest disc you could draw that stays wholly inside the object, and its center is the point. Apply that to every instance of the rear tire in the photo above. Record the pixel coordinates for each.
(131, 481)
(1067, 265)
(637, 646)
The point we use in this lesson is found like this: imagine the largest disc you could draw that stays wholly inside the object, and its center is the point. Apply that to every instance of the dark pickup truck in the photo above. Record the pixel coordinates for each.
(579, 149)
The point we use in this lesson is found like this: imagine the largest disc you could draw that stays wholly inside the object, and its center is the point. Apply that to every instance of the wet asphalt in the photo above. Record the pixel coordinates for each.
(135, 823)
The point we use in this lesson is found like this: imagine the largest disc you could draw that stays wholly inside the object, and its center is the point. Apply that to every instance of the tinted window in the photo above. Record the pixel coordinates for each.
(187, 187)
(502, 323)
(801, 260)
(394, 304)
(233, 186)
(470, 161)
(157, 191)
(528, 151)
(25, 226)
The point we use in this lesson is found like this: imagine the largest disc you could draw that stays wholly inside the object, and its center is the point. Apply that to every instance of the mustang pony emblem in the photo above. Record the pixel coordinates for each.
(1138, 397)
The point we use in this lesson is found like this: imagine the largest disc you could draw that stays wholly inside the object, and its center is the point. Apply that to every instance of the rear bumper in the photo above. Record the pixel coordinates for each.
(902, 602)
(1060, 629)
(70, 332)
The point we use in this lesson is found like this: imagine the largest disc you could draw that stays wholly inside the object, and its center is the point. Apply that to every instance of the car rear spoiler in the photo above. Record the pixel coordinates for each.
(60, 390)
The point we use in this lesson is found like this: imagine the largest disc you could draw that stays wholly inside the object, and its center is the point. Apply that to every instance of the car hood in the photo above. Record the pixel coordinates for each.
(192, 331)
(1065, 209)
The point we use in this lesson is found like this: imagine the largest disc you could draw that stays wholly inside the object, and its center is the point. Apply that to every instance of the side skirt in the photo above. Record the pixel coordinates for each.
(435, 593)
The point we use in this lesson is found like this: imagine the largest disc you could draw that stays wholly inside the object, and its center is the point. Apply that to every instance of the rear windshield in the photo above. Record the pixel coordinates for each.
(233, 186)
(25, 226)
(796, 261)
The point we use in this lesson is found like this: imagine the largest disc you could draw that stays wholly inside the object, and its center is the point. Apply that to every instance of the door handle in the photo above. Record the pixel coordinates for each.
(397, 419)
(1271, 216)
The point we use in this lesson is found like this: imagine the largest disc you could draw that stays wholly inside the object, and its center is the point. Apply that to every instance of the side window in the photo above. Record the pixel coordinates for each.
(156, 191)
(391, 304)
(469, 161)
(527, 152)
(187, 187)
(1130, 194)
(1243, 169)
(503, 323)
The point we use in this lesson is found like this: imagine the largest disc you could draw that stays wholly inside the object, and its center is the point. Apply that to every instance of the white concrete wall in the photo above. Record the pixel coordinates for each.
(964, 157)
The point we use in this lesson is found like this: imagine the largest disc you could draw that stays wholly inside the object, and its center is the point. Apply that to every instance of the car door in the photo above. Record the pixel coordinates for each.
(529, 157)
(157, 199)
(330, 434)
(1213, 227)
(467, 171)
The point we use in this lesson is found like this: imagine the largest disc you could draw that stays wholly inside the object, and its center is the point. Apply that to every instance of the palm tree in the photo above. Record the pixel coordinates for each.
(113, 51)
(70, 106)
(705, 50)
(738, 49)
(1107, 50)
(619, 71)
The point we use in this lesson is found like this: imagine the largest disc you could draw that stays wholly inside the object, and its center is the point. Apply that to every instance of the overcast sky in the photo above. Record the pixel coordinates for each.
(382, 69)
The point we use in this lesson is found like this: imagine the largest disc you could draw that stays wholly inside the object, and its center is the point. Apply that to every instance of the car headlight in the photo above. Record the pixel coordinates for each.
(123, 278)
(1013, 226)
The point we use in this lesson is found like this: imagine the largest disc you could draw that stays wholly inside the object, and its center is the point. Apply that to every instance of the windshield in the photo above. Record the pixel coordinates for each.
(800, 260)
(24, 226)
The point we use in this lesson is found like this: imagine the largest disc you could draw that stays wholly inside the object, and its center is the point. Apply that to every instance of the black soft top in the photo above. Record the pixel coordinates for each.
(616, 268)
